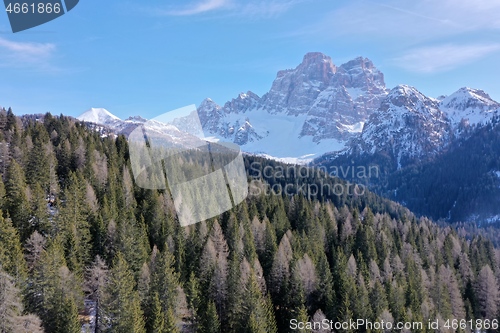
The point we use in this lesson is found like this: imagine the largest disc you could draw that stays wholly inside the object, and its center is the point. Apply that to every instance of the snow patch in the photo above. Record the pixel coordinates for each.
(280, 135)
(355, 128)
(355, 92)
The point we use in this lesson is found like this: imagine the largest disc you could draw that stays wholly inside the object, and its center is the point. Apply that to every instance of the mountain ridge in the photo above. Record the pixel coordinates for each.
(320, 108)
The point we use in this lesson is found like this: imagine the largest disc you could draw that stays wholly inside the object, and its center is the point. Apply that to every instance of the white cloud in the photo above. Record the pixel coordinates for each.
(27, 48)
(443, 58)
(26, 54)
(265, 8)
(252, 9)
(200, 7)
(411, 20)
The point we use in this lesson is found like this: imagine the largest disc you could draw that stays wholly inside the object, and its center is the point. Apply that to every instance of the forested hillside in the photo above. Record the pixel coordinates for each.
(75, 230)
(459, 184)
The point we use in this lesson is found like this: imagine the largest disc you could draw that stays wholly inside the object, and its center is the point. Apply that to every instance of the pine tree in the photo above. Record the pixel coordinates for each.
(325, 291)
(362, 305)
(132, 239)
(74, 225)
(261, 317)
(40, 212)
(155, 321)
(11, 254)
(210, 320)
(302, 317)
(171, 322)
(165, 286)
(378, 300)
(16, 200)
(194, 296)
(52, 294)
(239, 272)
(121, 303)
(64, 318)
(270, 247)
(38, 166)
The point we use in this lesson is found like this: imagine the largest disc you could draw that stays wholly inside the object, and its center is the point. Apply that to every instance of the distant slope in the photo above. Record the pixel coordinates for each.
(462, 184)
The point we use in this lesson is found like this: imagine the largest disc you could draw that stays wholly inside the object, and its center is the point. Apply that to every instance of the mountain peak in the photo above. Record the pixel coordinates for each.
(294, 90)
(316, 57)
(316, 66)
(316, 103)
(98, 116)
(407, 125)
(473, 105)
(242, 103)
(248, 94)
(360, 73)
(404, 89)
(409, 98)
(362, 62)
(208, 103)
(136, 119)
(472, 93)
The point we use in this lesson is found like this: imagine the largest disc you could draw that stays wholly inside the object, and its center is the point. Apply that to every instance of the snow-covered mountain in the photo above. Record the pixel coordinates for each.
(407, 125)
(314, 108)
(471, 106)
(99, 116)
(107, 123)
(318, 107)
(438, 157)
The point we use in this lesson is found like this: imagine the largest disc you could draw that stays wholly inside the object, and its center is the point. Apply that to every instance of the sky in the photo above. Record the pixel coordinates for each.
(149, 57)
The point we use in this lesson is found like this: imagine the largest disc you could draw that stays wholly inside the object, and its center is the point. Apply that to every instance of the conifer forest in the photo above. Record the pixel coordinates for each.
(83, 249)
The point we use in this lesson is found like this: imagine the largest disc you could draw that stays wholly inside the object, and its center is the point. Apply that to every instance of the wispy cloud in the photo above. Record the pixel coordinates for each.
(413, 20)
(199, 7)
(266, 9)
(252, 9)
(443, 58)
(26, 54)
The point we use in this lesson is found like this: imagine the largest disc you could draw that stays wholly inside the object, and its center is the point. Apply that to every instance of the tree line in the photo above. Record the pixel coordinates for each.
(74, 228)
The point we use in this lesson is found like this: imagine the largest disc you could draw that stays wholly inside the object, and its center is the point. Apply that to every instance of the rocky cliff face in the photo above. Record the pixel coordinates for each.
(319, 107)
(317, 104)
(354, 92)
(294, 91)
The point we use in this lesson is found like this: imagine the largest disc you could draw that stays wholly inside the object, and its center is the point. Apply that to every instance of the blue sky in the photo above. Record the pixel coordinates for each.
(149, 57)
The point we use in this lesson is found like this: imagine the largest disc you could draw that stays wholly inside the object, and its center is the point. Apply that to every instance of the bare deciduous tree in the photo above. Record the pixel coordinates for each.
(487, 293)
(280, 270)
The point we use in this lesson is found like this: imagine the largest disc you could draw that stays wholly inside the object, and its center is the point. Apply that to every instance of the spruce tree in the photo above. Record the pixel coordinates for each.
(210, 320)
(73, 223)
(11, 254)
(16, 200)
(51, 295)
(155, 319)
(121, 303)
